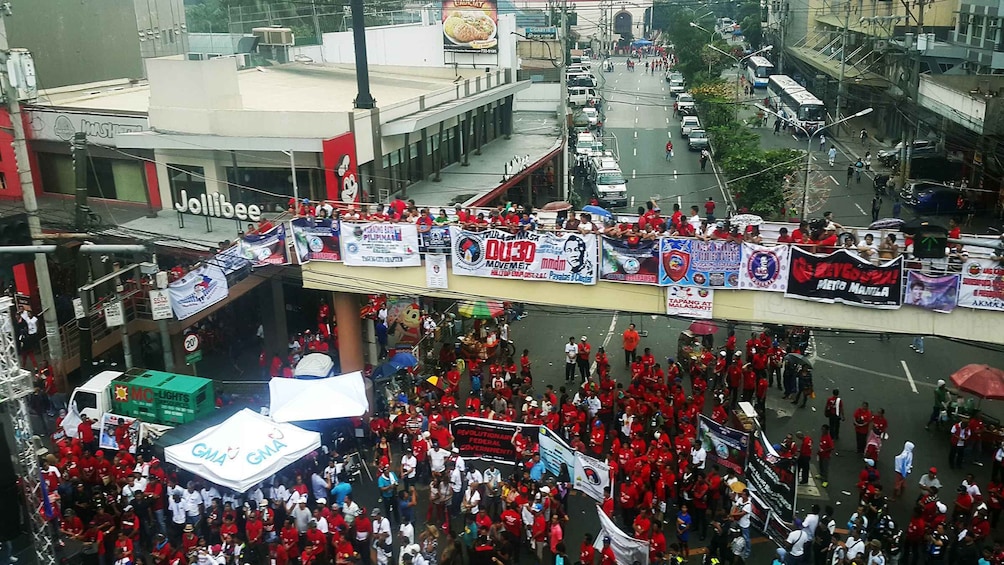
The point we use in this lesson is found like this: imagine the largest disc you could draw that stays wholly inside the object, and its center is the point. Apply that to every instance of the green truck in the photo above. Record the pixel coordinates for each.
(153, 397)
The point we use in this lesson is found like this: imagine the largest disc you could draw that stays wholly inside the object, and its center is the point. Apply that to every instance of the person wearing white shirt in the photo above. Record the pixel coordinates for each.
(458, 460)
(695, 219)
(176, 506)
(408, 468)
(142, 467)
(140, 483)
(437, 459)
(321, 521)
(810, 522)
(593, 405)
(406, 533)
(209, 495)
(192, 500)
(475, 476)
(867, 248)
(457, 487)
(350, 510)
(855, 545)
(472, 499)
(796, 541)
(504, 331)
(383, 540)
(571, 354)
(698, 456)
(493, 494)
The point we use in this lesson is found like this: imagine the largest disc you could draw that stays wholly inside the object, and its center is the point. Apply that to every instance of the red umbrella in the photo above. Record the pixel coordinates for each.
(702, 327)
(983, 381)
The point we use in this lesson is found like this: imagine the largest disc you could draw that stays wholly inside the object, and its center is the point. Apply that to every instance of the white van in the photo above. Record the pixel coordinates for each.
(677, 86)
(581, 95)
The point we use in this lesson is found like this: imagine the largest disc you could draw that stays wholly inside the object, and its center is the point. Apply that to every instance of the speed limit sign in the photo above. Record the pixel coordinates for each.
(192, 343)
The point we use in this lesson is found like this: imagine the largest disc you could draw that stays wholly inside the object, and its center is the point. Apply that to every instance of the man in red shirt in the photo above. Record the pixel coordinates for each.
(825, 452)
(607, 556)
(608, 503)
(582, 358)
(587, 553)
(804, 457)
(85, 433)
(862, 423)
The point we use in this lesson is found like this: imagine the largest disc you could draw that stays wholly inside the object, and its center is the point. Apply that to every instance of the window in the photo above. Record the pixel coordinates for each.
(85, 400)
(189, 178)
(106, 178)
(977, 27)
(963, 24)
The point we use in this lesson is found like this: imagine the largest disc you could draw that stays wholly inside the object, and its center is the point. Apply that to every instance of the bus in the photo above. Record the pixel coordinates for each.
(793, 101)
(758, 71)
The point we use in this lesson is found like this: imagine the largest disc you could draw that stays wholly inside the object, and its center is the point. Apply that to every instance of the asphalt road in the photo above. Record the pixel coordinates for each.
(639, 121)
(887, 374)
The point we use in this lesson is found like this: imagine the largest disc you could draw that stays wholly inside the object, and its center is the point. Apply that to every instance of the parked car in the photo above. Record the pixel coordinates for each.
(698, 139)
(921, 147)
(592, 115)
(685, 104)
(929, 197)
(688, 124)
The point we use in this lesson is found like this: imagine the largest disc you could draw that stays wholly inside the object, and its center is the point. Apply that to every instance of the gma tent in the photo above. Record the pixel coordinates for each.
(298, 400)
(242, 451)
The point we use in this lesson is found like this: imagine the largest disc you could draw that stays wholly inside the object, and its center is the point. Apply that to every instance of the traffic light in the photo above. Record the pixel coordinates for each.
(930, 242)
(14, 231)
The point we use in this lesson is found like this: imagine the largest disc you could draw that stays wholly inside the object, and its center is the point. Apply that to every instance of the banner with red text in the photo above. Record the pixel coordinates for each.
(690, 301)
(491, 440)
(531, 256)
(982, 285)
(845, 277)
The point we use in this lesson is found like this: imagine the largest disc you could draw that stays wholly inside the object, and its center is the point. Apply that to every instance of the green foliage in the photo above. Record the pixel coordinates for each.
(758, 177)
(733, 139)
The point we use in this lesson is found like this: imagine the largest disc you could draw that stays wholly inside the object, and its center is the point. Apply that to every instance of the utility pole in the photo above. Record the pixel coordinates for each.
(48, 313)
(317, 28)
(843, 62)
(907, 154)
(563, 108)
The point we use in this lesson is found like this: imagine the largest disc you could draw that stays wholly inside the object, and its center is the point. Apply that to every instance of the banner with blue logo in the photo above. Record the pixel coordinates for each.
(267, 248)
(380, 245)
(764, 268)
(198, 290)
(693, 262)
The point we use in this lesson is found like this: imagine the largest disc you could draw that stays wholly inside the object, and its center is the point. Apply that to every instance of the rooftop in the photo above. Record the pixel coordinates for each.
(288, 87)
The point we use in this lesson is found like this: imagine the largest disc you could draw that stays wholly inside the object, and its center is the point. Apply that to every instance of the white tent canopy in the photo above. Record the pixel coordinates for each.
(314, 365)
(296, 400)
(242, 451)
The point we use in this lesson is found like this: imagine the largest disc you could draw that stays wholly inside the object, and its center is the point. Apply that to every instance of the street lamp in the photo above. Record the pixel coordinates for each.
(711, 38)
(739, 65)
(808, 146)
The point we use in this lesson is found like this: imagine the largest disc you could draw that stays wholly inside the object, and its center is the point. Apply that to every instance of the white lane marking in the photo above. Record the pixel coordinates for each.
(869, 371)
(633, 174)
(636, 135)
(635, 108)
(632, 201)
(860, 209)
(670, 134)
(667, 120)
(909, 376)
(674, 175)
(679, 201)
(636, 154)
(834, 180)
(636, 120)
(606, 340)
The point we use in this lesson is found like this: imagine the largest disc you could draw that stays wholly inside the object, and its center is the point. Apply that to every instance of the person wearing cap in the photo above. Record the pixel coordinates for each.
(941, 400)
(582, 357)
(607, 556)
(929, 481)
(571, 356)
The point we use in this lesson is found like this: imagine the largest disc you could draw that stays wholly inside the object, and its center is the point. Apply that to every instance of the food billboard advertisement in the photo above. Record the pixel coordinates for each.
(471, 26)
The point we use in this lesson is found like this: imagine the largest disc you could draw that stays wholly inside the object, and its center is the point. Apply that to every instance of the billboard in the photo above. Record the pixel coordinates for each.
(341, 169)
(531, 256)
(471, 26)
(692, 262)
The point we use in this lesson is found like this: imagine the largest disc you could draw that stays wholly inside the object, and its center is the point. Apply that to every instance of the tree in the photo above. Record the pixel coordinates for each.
(758, 178)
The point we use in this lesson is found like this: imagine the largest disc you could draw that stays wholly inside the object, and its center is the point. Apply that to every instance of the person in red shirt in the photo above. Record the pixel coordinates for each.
(85, 433)
(862, 424)
(825, 452)
(607, 556)
(608, 503)
(587, 553)
(804, 457)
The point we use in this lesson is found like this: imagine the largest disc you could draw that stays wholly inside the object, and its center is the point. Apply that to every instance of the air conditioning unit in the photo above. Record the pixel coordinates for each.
(243, 60)
(195, 56)
(273, 35)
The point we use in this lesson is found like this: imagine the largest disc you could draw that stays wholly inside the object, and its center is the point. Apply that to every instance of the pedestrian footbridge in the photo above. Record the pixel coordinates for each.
(733, 305)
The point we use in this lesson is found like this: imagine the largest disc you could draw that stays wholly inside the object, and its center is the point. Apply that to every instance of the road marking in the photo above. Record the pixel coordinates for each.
(606, 340)
(636, 120)
(636, 135)
(667, 120)
(834, 180)
(860, 209)
(674, 175)
(632, 201)
(633, 174)
(869, 371)
(670, 134)
(635, 108)
(679, 201)
(636, 154)
(794, 137)
(909, 376)
(813, 157)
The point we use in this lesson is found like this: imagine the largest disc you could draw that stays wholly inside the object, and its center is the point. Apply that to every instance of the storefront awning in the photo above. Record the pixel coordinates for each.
(501, 189)
(191, 142)
(431, 116)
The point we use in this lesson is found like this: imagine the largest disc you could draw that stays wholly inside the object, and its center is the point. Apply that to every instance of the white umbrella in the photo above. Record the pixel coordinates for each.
(743, 220)
(242, 451)
(314, 365)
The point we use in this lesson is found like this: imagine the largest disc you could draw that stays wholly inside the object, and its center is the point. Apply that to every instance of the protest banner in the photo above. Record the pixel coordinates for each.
(591, 476)
(937, 293)
(693, 262)
(530, 256)
(982, 285)
(490, 440)
(845, 277)
(316, 240)
(770, 479)
(118, 432)
(627, 262)
(554, 452)
(198, 290)
(380, 245)
(267, 248)
(764, 268)
(690, 301)
(726, 446)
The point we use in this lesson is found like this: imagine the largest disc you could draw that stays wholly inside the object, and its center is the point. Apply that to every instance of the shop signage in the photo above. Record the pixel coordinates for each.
(216, 205)
(516, 165)
(541, 32)
(101, 129)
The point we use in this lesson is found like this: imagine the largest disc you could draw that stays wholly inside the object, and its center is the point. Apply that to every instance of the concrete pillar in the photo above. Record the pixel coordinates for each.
(372, 350)
(273, 317)
(350, 333)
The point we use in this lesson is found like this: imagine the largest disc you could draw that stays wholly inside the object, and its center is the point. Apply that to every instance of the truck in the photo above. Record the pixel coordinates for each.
(153, 397)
